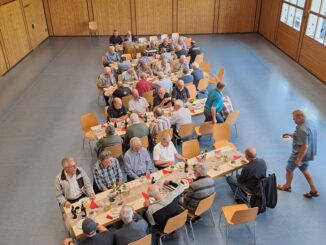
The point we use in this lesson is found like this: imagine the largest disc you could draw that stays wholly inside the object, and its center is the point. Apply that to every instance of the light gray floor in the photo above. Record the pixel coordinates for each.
(42, 98)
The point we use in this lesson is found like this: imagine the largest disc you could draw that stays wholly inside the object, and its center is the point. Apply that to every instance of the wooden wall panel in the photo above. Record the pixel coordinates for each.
(236, 16)
(112, 14)
(35, 20)
(313, 57)
(48, 17)
(13, 32)
(153, 16)
(3, 64)
(195, 16)
(269, 18)
(69, 18)
(287, 39)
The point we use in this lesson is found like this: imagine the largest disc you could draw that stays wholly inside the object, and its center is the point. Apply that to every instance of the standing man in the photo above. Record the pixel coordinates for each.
(304, 148)
(193, 51)
(214, 105)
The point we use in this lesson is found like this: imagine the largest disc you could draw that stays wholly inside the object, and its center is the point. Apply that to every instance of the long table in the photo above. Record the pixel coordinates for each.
(220, 162)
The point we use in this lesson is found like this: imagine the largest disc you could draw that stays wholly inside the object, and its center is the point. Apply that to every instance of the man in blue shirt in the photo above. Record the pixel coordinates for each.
(304, 148)
(214, 104)
(111, 56)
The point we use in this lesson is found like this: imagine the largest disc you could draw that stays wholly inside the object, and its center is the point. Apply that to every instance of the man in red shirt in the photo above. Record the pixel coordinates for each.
(144, 85)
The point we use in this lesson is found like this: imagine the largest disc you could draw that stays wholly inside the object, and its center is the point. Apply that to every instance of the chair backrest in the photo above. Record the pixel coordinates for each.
(149, 97)
(106, 112)
(116, 150)
(192, 91)
(146, 240)
(128, 56)
(175, 35)
(153, 38)
(142, 39)
(126, 99)
(205, 204)
(244, 216)
(221, 131)
(199, 58)
(144, 141)
(186, 130)
(203, 84)
(232, 117)
(87, 121)
(103, 59)
(206, 128)
(161, 133)
(188, 41)
(220, 74)
(92, 25)
(205, 66)
(190, 148)
(164, 36)
(176, 222)
(222, 143)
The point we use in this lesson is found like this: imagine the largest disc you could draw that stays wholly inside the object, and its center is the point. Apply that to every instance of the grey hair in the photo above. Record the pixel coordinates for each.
(134, 118)
(178, 103)
(126, 214)
(201, 169)
(135, 141)
(195, 65)
(299, 113)
(66, 160)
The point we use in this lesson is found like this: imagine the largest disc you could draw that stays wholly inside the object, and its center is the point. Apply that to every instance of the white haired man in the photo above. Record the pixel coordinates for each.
(181, 116)
(138, 104)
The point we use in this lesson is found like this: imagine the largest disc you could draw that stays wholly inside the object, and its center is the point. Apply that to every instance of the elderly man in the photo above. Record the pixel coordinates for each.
(181, 64)
(179, 51)
(136, 129)
(117, 112)
(130, 37)
(145, 68)
(166, 54)
(153, 46)
(111, 55)
(144, 85)
(109, 139)
(304, 149)
(130, 75)
(115, 38)
(165, 153)
(137, 160)
(144, 58)
(181, 115)
(182, 43)
(72, 183)
(166, 45)
(162, 66)
(134, 227)
(105, 80)
(251, 174)
(160, 123)
(162, 98)
(124, 65)
(214, 104)
(193, 51)
(106, 172)
(180, 92)
(197, 73)
(121, 90)
(202, 187)
(186, 76)
(164, 82)
(165, 207)
(138, 104)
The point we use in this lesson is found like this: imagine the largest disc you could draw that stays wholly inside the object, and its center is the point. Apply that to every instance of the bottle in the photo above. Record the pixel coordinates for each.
(73, 212)
(115, 125)
(83, 211)
(145, 118)
(126, 124)
(153, 180)
(186, 166)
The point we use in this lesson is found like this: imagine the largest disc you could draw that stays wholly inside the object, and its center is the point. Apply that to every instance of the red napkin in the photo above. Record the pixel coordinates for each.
(198, 158)
(190, 180)
(103, 126)
(217, 151)
(148, 176)
(145, 195)
(93, 205)
(123, 129)
(236, 157)
(164, 171)
(109, 217)
(192, 110)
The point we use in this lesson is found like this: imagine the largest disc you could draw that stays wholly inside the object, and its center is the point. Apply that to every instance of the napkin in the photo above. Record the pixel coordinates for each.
(164, 171)
(109, 217)
(198, 158)
(217, 151)
(103, 126)
(236, 157)
(148, 176)
(123, 129)
(192, 110)
(190, 180)
(145, 195)
(93, 205)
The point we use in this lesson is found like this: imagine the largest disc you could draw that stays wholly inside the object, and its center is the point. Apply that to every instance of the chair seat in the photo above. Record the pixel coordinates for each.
(229, 211)
(89, 135)
(197, 130)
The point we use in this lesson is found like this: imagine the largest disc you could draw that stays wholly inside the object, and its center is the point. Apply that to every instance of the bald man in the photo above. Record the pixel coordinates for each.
(251, 174)
(117, 112)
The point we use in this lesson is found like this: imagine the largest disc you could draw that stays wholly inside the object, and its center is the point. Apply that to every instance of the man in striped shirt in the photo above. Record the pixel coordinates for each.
(160, 123)
(106, 171)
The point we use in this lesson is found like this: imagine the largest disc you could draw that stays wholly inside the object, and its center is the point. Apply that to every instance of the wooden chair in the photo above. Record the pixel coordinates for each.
(175, 35)
(87, 121)
(142, 39)
(164, 36)
(188, 41)
(203, 206)
(199, 58)
(237, 215)
(174, 224)
(232, 120)
(222, 143)
(127, 55)
(192, 91)
(160, 134)
(106, 112)
(153, 38)
(100, 91)
(146, 240)
(219, 77)
(202, 85)
(221, 131)
(205, 128)
(126, 99)
(205, 66)
(149, 97)
(190, 148)
(116, 150)
(144, 141)
(92, 27)
(185, 130)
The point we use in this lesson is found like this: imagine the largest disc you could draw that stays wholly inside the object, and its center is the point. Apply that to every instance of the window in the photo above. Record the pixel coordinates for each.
(316, 27)
(292, 12)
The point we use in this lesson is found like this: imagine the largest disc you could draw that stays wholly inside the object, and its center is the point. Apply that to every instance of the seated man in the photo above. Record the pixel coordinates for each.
(186, 77)
(137, 160)
(153, 46)
(160, 123)
(109, 140)
(166, 54)
(121, 90)
(105, 80)
(115, 38)
(136, 129)
(162, 66)
(124, 65)
(138, 104)
(142, 59)
(145, 68)
(197, 73)
(111, 56)
(181, 63)
(117, 112)
(163, 208)
(166, 45)
(164, 82)
(144, 85)
(251, 174)
(130, 75)
(181, 116)
(182, 43)
(72, 183)
(180, 51)
(130, 37)
(193, 51)
(106, 171)
(202, 187)
(162, 98)
(164, 153)
(180, 92)
(134, 227)
(214, 104)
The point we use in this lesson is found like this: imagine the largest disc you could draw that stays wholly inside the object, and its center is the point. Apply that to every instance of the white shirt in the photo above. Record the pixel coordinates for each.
(180, 117)
(138, 106)
(162, 153)
(74, 191)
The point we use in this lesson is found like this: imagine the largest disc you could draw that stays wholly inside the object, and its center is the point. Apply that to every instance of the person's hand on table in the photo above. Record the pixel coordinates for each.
(214, 121)
(147, 203)
(67, 204)
(92, 196)
(67, 241)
